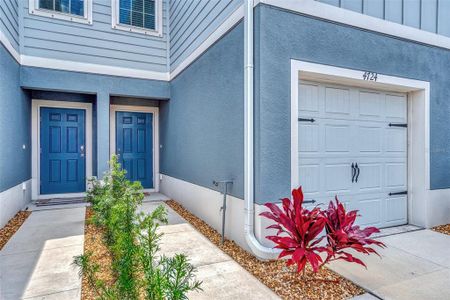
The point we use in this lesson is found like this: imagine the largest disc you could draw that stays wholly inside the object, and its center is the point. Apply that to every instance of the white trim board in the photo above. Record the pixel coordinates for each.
(348, 17)
(307, 7)
(34, 9)
(35, 144)
(9, 47)
(158, 31)
(419, 193)
(112, 135)
(64, 65)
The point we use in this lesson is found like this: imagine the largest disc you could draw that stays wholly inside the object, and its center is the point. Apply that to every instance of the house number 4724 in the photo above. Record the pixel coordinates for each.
(370, 76)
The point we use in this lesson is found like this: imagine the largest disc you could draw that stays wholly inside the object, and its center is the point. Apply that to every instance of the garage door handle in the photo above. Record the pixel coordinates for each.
(398, 193)
(353, 172)
(306, 120)
(357, 170)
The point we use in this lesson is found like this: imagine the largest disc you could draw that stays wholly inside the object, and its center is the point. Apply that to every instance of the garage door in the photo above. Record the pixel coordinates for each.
(352, 143)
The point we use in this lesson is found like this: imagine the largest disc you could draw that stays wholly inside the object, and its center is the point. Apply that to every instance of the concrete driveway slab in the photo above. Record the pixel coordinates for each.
(415, 265)
(395, 265)
(426, 244)
(431, 286)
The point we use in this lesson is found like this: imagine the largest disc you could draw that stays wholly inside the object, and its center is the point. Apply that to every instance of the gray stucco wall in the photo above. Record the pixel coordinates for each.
(15, 125)
(282, 36)
(201, 126)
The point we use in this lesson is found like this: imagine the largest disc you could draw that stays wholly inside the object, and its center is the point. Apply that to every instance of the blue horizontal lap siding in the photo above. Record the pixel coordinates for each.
(9, 21)
(341, 46)
(429, 15)
(191, 22)
(98, 43)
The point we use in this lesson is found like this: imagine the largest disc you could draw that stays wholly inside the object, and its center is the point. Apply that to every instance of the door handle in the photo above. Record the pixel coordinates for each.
(353, 172)
(357, 170)
(82, 150)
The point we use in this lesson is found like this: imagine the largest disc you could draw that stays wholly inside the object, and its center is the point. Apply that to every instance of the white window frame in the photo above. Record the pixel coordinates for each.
(153, 32)
(33, 8)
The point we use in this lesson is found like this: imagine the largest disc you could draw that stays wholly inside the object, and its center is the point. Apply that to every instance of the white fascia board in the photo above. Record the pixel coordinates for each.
(5, 42)
(348, 17)
(41, 62)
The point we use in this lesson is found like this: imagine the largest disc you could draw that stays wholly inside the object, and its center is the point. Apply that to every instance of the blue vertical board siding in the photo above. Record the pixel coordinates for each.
(412, 13)
(9, 21)
(191, 22)
(374, 8)
(428, 15)
(15, 125)
(202, 125)
(341, 46)
(98, 43)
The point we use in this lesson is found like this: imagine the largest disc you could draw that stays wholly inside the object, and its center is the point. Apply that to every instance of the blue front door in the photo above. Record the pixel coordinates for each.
(134, 145)
(62, 141)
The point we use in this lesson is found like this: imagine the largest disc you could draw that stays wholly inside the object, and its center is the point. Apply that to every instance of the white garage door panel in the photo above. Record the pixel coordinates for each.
(351, 125)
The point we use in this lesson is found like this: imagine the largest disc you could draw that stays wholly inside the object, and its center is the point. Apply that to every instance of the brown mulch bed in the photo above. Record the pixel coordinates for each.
(282, 280)
(445, 229)
(12, 226)
(95, 244)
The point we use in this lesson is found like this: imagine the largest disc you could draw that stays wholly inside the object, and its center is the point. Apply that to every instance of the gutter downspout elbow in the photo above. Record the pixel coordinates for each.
(257, 248)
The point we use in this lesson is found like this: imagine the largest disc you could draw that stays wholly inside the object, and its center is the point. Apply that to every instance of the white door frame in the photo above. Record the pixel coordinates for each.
(112, 135)
(419, 193)
(36, 144)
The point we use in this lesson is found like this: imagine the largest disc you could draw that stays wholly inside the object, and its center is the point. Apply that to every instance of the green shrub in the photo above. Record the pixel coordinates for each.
(133, 240)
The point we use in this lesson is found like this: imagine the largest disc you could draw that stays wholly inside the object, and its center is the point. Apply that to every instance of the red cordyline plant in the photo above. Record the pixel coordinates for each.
(298, 233)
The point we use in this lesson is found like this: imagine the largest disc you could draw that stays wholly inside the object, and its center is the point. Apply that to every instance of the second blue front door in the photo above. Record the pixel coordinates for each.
(134, 145)
(62, 157)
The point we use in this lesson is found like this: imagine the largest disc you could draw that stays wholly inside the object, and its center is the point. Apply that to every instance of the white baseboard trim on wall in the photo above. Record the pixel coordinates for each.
(14, 199)
(205, 203)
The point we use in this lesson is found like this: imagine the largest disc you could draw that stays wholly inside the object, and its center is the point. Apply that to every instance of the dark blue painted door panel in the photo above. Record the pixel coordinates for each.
(134, 145)
(62, 139)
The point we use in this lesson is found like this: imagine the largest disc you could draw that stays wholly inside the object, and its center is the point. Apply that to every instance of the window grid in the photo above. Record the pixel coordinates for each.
(137, 13)
(73, 7)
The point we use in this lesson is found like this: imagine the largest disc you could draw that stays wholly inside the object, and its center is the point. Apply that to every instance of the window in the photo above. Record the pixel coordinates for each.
(143, 16)
(73, 7)
(71, 10)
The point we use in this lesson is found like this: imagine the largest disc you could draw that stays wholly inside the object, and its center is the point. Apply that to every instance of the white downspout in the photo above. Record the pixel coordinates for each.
(259, 250)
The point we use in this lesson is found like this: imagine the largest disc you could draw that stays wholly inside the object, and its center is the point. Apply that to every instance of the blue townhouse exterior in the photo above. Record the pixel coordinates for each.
(343, 97)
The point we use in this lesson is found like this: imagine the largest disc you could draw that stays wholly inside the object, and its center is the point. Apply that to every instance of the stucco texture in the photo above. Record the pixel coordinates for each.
(15, 125)
(202, 125)
(282, 35)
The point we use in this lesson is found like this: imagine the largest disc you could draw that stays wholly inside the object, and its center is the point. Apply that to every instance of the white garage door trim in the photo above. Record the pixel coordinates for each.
(419, 193)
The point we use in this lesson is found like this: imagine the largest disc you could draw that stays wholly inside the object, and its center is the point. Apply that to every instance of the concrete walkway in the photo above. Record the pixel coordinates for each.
(222, 277)
(415, 265)
(36, 262)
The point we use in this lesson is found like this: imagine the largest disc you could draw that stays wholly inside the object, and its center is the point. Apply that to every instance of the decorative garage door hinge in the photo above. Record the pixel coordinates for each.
(398, 125)
(398, 193)
(306, 120)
